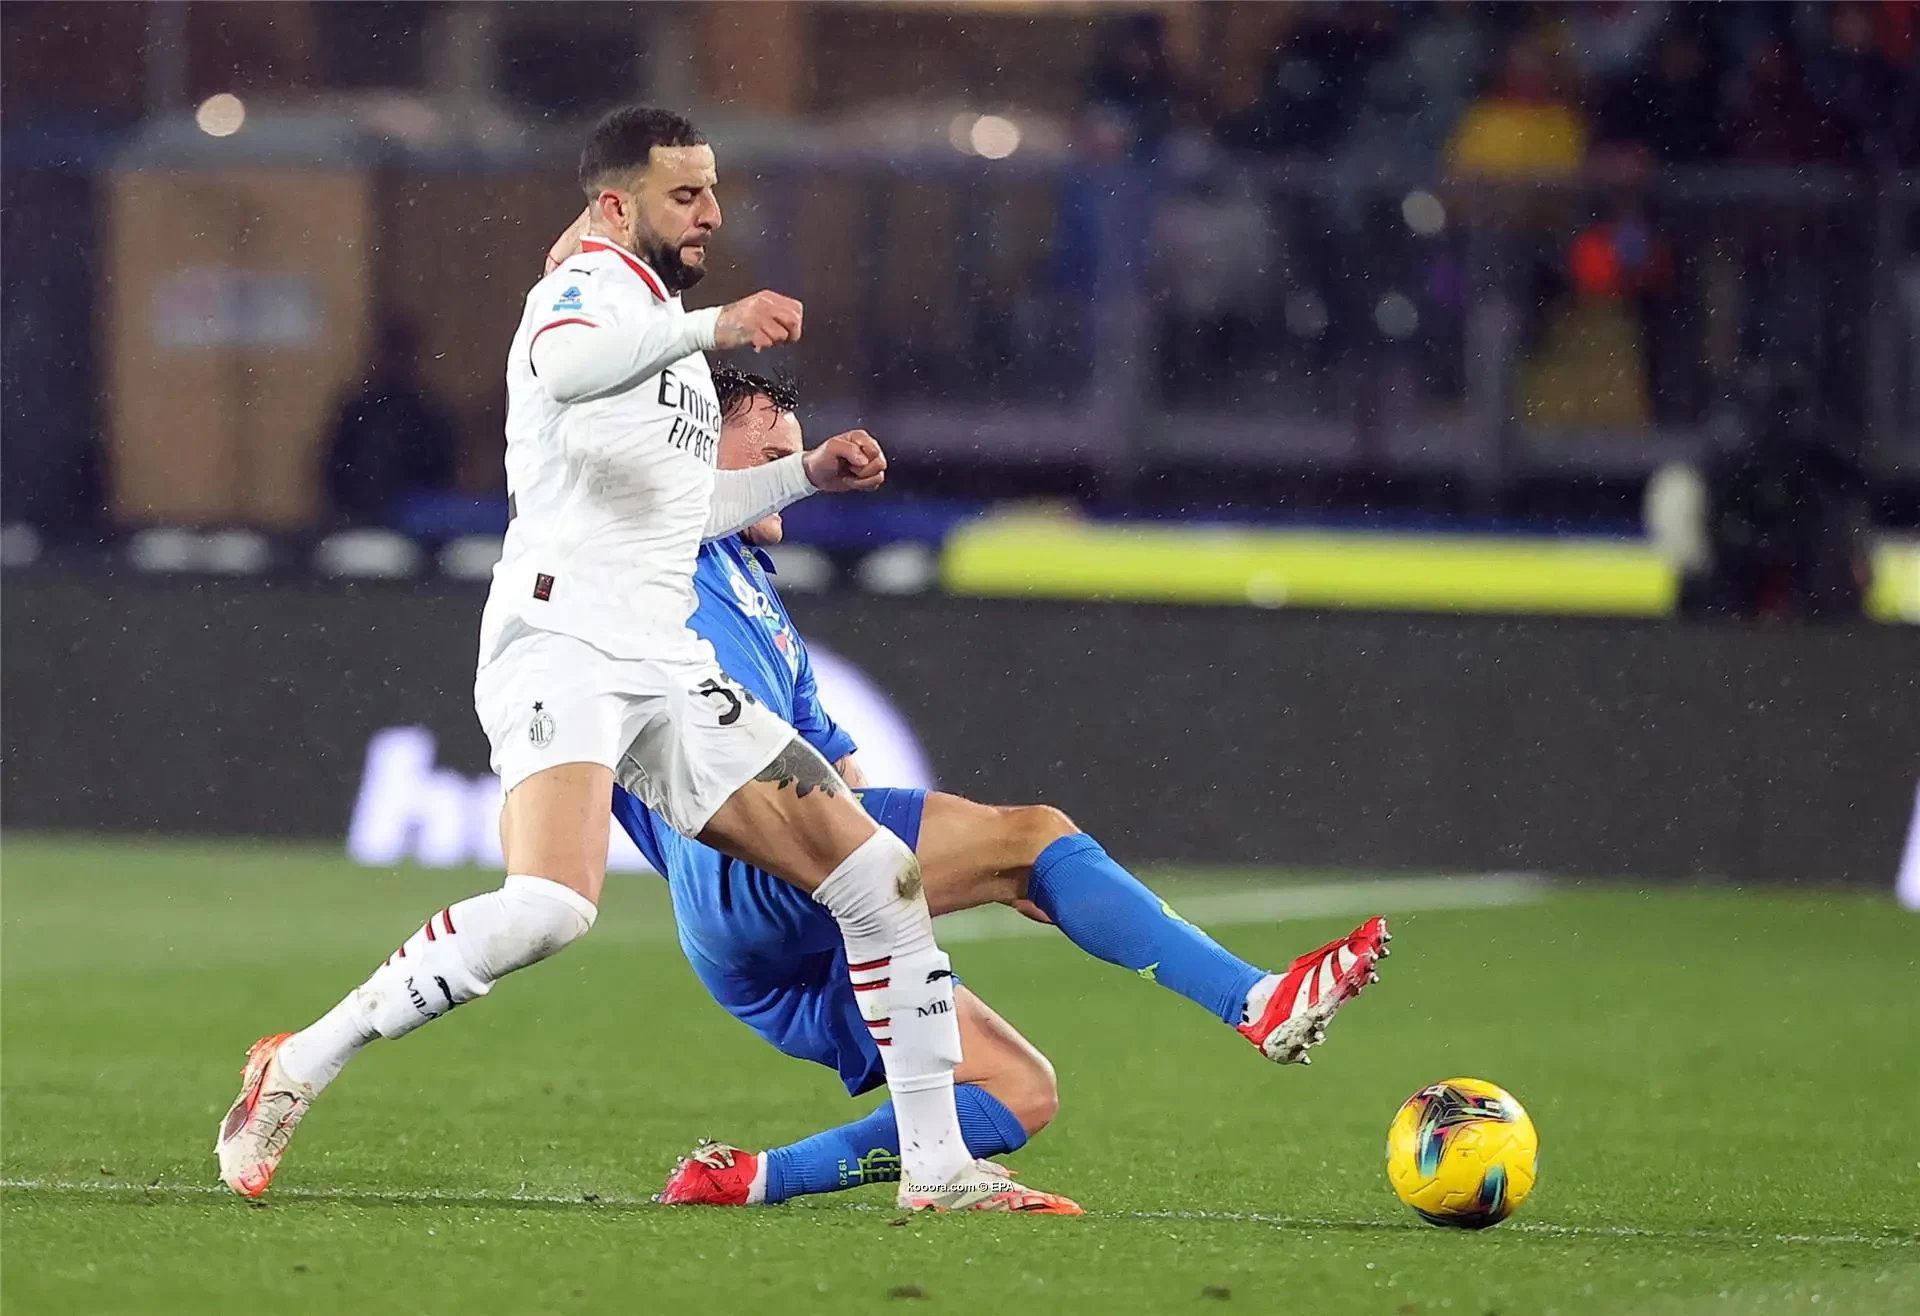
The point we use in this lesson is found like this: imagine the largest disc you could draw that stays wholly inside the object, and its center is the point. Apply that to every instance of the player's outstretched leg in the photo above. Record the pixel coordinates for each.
(975, 853)
(865, 1151)
(798, 820)
(454, 957)
(1006, 1093)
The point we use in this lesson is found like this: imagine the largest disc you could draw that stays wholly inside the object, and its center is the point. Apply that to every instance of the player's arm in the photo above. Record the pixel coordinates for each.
(850, 462)
(600, 340)
(741, 497)
(817, 727)
(585, 366)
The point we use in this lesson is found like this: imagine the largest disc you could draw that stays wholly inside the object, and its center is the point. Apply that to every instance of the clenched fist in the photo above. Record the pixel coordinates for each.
(759, 322)
(847, 463)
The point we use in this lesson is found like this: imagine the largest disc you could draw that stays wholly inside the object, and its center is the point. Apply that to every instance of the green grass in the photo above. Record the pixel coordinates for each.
(1724, 1084)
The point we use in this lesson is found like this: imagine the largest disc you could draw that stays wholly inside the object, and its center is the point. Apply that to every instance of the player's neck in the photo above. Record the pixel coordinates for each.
(595, 233)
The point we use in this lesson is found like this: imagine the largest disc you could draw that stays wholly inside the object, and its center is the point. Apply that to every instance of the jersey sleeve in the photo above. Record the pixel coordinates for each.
(598, 334)
(741, 497)
(810, 717)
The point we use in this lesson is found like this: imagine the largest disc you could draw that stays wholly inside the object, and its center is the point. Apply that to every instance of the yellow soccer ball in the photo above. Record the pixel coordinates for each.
(1462, 1153)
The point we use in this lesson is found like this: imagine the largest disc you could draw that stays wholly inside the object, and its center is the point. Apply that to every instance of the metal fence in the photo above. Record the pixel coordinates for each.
(1367, 742)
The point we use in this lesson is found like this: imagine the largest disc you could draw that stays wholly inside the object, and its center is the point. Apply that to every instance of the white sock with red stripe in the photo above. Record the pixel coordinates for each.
(455, 957)
(1258, 998)
(905, 989)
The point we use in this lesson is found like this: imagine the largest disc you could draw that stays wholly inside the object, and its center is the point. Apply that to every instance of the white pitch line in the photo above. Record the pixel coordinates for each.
(441, 1197)
(421, 1196)
(1564, 1231)
(1281, 904)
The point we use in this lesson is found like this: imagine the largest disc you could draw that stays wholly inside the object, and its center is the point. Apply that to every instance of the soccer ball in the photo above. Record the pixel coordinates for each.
(1462, 1154)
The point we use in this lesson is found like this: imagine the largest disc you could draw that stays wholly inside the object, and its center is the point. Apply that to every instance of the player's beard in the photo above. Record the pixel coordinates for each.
(664, 259)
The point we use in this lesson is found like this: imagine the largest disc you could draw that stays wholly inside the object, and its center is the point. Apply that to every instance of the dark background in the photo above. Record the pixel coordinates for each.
(1218, 736)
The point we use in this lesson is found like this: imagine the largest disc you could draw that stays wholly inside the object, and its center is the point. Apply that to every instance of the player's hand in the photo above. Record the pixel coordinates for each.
(847, 463)
(567, 244)
(759, 322)
(849, 769)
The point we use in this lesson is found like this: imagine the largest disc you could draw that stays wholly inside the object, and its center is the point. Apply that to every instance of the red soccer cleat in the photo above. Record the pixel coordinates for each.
(1289, 1012)
(715, 1175)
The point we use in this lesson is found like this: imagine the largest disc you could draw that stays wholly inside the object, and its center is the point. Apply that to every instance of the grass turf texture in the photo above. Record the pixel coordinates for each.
(1723, 1083)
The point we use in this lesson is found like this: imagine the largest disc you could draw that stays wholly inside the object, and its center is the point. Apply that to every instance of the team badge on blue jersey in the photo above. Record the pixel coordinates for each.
(570, 300)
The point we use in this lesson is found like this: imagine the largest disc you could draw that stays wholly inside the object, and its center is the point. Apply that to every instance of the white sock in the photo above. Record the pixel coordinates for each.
(317, 1053)
(1257, 998)
(455, 957)
(905, 989)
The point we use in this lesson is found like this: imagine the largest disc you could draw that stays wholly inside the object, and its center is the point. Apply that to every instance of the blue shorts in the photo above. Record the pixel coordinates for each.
(772, 956)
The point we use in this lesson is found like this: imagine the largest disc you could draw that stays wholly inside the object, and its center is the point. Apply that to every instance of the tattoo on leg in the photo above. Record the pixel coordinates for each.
(800, 766)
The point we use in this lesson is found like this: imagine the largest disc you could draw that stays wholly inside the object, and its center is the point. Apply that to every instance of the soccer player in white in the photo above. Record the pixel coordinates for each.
(588, 673)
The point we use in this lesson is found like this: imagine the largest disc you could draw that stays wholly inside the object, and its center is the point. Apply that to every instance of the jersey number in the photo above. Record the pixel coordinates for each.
(732, 696)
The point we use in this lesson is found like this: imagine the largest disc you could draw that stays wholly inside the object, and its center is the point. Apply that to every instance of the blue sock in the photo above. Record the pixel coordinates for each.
(868, 1150)
(1105, 911)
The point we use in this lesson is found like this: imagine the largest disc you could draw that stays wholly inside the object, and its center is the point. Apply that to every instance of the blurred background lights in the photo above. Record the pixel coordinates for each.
(221, 115)
(1424, 213)
(1396, 315)
(994, 137)
(960, 132)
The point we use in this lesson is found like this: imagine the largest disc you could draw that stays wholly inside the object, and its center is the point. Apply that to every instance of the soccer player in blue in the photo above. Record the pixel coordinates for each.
(774, 959)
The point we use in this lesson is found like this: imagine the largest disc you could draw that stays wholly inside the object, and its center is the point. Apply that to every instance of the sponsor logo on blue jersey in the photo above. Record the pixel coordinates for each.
(570, 300)
(758, 604)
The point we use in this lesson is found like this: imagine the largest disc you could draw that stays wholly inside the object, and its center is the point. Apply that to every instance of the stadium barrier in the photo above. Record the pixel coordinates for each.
(1020, 555)
(1193, 734)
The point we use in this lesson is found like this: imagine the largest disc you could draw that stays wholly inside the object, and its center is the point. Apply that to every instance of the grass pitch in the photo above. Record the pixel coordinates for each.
(1724, 1084)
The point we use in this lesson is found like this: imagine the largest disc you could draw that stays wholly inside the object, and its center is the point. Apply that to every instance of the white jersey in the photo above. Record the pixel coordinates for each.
(612, 431)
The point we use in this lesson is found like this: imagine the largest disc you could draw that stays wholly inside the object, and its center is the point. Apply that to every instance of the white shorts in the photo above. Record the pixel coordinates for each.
(678, 733)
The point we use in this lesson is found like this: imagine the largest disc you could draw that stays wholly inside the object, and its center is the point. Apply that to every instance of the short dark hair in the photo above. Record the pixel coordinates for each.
(624, 141)
(738, 388)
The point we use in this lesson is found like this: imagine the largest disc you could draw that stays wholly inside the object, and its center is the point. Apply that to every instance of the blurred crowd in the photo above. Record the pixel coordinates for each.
(1449, 260)
(1532, 90)
(1604, 286)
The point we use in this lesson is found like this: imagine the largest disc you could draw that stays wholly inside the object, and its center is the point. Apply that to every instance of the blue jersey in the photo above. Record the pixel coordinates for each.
(724, 910)
(769, 953)
(755, 643)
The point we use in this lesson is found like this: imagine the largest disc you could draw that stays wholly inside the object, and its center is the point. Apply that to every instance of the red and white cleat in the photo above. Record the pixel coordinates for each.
(1288, 1012)
(984, 1186)
(715, 1175)
(255, 1133)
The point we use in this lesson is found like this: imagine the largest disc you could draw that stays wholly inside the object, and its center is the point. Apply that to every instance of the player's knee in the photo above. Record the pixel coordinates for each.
(539, 918)
(875, 886)
(1035, 1099)
(1034, 827)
